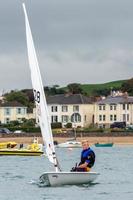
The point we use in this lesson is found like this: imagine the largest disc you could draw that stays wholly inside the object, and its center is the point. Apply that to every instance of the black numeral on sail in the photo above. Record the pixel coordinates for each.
(37, 96)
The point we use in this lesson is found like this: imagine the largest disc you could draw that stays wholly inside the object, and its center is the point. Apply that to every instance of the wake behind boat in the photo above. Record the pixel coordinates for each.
(58, 177)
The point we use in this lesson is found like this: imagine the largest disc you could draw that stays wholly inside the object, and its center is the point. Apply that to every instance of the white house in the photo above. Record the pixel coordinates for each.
(12, 111)
(112, 109)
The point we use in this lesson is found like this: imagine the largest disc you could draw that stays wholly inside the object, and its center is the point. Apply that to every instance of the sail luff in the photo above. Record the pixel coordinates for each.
(39, 95)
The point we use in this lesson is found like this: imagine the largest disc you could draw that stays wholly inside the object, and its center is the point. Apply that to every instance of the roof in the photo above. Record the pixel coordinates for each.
(116, 100)
(11, 104)
(69, 99)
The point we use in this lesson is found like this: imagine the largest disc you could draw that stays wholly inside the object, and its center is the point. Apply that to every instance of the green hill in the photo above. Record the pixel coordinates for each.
(90, 89)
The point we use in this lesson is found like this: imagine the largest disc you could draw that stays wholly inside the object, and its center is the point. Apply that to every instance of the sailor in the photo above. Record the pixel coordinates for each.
(87, 158)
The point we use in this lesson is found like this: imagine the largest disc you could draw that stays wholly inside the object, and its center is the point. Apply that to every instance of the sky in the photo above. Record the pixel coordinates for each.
(82, 41)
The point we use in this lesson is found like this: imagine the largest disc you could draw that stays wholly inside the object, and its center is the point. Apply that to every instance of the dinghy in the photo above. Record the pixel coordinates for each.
(58, 177)
(104, 144)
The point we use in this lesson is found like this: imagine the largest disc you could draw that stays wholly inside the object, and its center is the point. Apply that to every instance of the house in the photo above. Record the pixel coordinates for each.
(113, 109)
(70, 108)
(12, 111)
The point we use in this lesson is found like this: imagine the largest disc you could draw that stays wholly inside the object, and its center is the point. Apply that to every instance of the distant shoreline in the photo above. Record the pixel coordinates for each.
(125, 140)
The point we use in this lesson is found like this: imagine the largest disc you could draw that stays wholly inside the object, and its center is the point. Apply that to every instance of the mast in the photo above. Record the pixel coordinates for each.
(39, 96)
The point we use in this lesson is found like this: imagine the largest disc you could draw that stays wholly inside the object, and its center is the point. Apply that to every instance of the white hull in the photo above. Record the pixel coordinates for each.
(63, 145)
(67, 178)
(70, 144)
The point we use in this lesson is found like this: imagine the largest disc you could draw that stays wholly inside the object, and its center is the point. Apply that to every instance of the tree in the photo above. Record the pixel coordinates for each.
(75, 88)
(53, 90)
(17, 96)
(127, 86)
(29, 94)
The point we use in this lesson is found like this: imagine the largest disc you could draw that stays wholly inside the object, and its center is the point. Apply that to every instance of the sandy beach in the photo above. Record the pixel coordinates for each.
(127, 140)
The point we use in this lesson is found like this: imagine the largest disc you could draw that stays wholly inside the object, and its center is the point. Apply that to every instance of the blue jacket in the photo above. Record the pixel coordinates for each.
(88, 156)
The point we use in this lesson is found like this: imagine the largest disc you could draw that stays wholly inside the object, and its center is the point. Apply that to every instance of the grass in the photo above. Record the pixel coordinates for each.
(90, 88)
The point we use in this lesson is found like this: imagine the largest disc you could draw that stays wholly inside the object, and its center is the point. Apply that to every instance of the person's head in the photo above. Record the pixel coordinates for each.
(85, 144)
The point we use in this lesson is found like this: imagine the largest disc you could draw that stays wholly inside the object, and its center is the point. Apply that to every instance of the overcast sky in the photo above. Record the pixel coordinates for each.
(83, 41)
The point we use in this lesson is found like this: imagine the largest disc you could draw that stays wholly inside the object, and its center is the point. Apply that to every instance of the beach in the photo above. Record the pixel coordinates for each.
(125, 140)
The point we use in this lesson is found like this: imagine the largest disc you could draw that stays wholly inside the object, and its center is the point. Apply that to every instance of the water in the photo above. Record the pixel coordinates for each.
(19, 176)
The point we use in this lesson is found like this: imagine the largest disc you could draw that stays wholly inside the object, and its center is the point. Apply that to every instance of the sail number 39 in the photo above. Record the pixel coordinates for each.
(37, 96)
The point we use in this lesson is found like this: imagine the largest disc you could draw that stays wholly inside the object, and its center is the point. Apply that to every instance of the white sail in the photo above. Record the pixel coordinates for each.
(39, 96)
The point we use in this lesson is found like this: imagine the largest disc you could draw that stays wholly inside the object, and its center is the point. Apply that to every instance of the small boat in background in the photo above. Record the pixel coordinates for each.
(33, 149)
(104, 144)
(72, 143)
(7, 145)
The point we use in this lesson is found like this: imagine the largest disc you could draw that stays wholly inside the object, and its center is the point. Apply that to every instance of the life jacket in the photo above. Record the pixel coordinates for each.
(88, 155)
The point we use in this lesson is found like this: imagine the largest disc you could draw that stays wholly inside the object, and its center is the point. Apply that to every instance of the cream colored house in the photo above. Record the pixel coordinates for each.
(76, 109)
(11, 112)
(113, 109)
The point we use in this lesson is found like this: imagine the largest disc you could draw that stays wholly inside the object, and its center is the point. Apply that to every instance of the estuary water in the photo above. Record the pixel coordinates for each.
(19, 176)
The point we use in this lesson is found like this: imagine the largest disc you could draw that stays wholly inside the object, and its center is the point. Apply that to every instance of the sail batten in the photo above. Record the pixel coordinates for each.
(39, 96)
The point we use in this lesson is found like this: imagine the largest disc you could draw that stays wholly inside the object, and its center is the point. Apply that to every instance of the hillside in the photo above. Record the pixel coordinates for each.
(90, 89)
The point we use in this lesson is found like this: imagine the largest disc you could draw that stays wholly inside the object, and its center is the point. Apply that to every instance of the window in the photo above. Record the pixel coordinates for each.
(18, 110)
(54, 108)
(64, 118)
(75, 108)
(76, 117)
(128, 106)
(115, 118)
(104, 117)
(7, 111)
(100, 107)
(64, 108)
(7, 120)
(54, 118)
(100, 117)
(111, 107)
(123, 106)
(114, 107)
(111, 117)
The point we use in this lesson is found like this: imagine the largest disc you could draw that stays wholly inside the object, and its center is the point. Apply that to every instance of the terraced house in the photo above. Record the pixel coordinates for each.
(113, 109)
(11, 112)
(76, 109)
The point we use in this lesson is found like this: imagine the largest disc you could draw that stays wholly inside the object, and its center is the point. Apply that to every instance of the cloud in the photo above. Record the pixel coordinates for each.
(86, 41)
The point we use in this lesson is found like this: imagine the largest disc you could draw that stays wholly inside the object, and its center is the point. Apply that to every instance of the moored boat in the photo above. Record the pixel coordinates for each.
(7, 145)
(19, 152)
(110, 144)
(70, 144)
(33, 149)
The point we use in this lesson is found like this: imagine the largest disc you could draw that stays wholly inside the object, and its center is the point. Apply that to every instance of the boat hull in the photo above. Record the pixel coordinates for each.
(63, 145)
(67, 178)
(8, 152)
(4, 145)
(104, 144)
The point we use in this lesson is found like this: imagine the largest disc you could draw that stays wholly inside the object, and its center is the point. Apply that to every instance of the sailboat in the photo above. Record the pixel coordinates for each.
(57, 177)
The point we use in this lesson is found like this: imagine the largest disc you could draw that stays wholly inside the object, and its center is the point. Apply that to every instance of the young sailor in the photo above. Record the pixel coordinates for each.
(87, 158)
